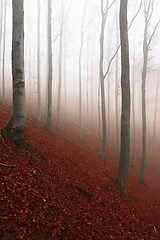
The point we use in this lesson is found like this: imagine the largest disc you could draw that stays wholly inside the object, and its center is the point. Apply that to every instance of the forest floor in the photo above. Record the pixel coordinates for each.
(61, 191)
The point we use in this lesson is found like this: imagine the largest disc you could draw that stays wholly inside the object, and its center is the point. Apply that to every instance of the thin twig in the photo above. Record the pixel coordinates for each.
(7, 165)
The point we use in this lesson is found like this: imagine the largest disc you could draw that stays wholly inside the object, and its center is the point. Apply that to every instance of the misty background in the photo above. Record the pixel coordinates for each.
(80, 17)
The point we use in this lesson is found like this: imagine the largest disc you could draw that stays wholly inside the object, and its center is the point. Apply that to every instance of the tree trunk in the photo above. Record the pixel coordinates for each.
(155, 115)
(16, 126)
(60, 66)
(122, 173)
(116, 85)
(101, 75)
(144, 126)
(133, 100)
(38, 62)
(4, 54)
(49, 92)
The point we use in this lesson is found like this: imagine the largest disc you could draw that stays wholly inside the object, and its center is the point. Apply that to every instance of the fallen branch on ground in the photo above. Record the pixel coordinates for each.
(7, 165)
(83, 191)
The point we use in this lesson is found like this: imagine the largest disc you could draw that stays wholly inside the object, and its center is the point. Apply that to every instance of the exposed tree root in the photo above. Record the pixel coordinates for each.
(17, 139)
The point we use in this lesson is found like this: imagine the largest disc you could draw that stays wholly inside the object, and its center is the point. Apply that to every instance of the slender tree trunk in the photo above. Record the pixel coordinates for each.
(155, 115)
(144, 126)
(87, 88)
(4, 54)
(1, 28)
(108, 112)
(116, 85)
(65, 83)
(60, 66)
(121, 178)
(80, 87)
(16, 126)
(133, 100)
(38, 61)
(101, 75)
(49, 92)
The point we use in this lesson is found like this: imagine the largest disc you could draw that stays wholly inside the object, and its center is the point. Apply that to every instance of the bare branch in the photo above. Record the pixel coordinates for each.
(112, 58)
(151, 37)
(108, 7)
(135, 15)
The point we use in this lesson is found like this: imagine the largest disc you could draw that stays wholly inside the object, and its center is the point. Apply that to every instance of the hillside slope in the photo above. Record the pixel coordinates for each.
(62, 192)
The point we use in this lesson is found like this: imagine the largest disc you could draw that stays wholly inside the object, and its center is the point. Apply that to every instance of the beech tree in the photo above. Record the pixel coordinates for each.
(122, 173)
(63, 19)
(49, 84)
(4, 55)
(104, 13)
(38, 61)
(148, 13)
(15, 128)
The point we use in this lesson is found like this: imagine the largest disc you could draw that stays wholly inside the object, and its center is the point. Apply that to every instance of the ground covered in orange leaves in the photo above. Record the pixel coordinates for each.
(62, 192)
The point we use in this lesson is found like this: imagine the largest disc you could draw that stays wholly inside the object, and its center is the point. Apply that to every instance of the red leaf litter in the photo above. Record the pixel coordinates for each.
(62, 192)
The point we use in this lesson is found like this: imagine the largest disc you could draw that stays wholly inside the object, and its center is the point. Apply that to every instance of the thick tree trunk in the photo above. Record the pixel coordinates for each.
(16, 126)
(122, 173)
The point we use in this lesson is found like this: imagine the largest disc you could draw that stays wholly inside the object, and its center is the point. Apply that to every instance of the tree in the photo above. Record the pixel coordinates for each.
(122, 173)
(4, 54)
(155, 114)
(38, 61)
(15, 128)
(83, 28)
(49, 89)
(104, 13)
(63, 18)
(148, 12)
(1, 30)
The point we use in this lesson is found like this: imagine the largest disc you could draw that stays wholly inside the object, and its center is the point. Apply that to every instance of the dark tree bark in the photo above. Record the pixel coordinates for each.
(122, 173)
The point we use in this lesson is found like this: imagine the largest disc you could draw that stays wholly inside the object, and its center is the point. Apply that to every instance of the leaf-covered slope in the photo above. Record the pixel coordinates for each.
(63, 192)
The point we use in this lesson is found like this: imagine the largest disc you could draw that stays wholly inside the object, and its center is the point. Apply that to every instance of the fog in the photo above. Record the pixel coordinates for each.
(74, 20)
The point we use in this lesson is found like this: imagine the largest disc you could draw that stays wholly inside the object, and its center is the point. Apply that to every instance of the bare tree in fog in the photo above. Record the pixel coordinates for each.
(49, 83)
(122, 173)
(133, 101)
(104, 13)
(83, 28)
(60, 64)
(63, 18)
(117, 80)
(4, 54)
(38, 60)
(16, 125)
(1, 25)
(148, 13)
(155, 114)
